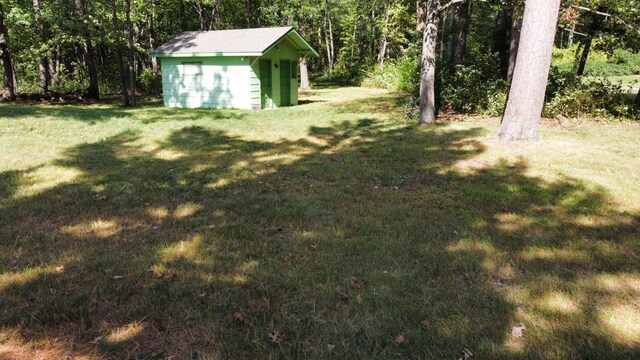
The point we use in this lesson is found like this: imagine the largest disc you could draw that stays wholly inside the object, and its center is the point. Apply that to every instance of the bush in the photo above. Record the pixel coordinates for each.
(598, 98)
(398, 75)
(476, 88)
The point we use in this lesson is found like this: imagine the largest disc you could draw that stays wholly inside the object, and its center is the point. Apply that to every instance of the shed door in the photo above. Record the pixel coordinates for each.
(285, 83)
(266, 94)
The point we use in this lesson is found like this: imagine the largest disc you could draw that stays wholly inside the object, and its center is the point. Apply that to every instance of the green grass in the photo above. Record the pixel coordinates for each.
(140, 233)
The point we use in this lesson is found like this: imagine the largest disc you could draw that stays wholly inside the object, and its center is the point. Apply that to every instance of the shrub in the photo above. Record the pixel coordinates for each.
(398, 75)
(476, 88)
(598, 98)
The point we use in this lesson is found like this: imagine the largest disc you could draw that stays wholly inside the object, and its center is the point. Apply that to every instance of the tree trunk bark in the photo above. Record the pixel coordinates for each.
(215, 15)
(571, 35)
(248, 12)
(43, 64)
(461, 34)
(7, 66)
(451, 43)
(154, 61)
(121, 70)
(304, 75)
(132, 70)
(428, 66)
(94, 91)
(521, 118)
(585, 55)
(329, 38)
(384, 41)
(637, 101)
(514, 45)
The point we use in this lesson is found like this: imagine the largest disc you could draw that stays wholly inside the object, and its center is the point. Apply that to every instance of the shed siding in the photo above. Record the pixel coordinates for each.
(282, 51)
(225, 82)
(255, 83)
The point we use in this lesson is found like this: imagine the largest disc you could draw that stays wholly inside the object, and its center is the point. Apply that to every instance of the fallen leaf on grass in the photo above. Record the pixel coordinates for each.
(275, 337)
(330, 346)
(355, 283)
(169, 276)
(359, 298)
(60, 269)
(466, 354)
(399, 340)
(426, 324)
(117, 277)
(517, 331)
(289, 257)
(343, 296)
(238, 317)
(96, 340)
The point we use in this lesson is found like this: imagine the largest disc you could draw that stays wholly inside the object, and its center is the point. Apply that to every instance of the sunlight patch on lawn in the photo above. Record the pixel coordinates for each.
(158, 212)
(184, 250)
(169, 155)
(45, 178)
(186, 210)
(551, 254)
(619, 283)
(558, 302)
(21, 278)
(99, 228)
(623, 321)
(125, 333)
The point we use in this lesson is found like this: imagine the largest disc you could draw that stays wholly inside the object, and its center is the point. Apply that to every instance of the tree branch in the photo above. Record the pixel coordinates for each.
(615, 17)
(446, 6)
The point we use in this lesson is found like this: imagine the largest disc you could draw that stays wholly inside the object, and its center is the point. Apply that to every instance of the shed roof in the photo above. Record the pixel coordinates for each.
(241, 42)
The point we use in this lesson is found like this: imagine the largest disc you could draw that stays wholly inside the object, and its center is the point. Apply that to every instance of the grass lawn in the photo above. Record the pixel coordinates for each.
(335, 229)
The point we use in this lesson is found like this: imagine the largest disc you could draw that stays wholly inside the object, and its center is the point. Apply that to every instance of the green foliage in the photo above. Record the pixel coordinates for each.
(398, 75)
(595, 97)
(474, 88)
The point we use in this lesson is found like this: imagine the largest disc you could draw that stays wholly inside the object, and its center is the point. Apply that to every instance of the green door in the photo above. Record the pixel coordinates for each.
(266, 94)
(285, 83)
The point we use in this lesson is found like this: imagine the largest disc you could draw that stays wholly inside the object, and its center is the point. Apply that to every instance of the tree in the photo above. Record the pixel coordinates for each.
(7, 65)
(461, 33)
(429, 13)
(43, 64)
(120, 61)
(526, 97)
(94, 90)
(130, 51)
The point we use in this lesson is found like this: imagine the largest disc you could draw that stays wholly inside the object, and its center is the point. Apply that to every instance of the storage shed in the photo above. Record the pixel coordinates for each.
(241, 69)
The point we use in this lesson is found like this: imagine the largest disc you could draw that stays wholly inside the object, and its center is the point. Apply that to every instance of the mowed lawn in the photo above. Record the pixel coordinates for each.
(335, 229)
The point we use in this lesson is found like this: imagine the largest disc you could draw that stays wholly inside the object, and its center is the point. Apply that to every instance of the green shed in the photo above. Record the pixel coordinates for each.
(241, 69)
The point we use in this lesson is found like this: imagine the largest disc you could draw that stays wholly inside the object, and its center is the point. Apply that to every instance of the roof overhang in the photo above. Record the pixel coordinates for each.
(301, 45)
(298, 42)
(217, 54)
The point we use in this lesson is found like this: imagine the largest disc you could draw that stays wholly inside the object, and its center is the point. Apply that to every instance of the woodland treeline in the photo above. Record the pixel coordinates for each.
(458, 55)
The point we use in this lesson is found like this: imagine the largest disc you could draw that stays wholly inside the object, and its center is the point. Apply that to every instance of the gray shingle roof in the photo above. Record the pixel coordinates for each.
(242, 41)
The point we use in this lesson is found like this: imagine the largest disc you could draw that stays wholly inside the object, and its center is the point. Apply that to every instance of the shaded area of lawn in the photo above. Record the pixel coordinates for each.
(341, 241)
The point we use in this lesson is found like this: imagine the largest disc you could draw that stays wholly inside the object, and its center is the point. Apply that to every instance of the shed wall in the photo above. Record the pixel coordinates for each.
(282, 51)
(224, 82)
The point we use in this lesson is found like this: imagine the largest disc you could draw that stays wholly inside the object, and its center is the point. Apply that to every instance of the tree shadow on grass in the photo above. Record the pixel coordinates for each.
(149, 253)
(147, 115)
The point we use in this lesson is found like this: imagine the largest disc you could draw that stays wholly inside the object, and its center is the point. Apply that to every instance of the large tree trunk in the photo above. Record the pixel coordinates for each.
(428, 66)
(304, 75)
(521, 118)
(215, 15)
(584, 56)
(461, 33)
(637, 102)
(94, 91)
(514, 45)
(130, 51)
(121, 70)
(43, 64)
(248, 12)
(154, 61)
(7, 66)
